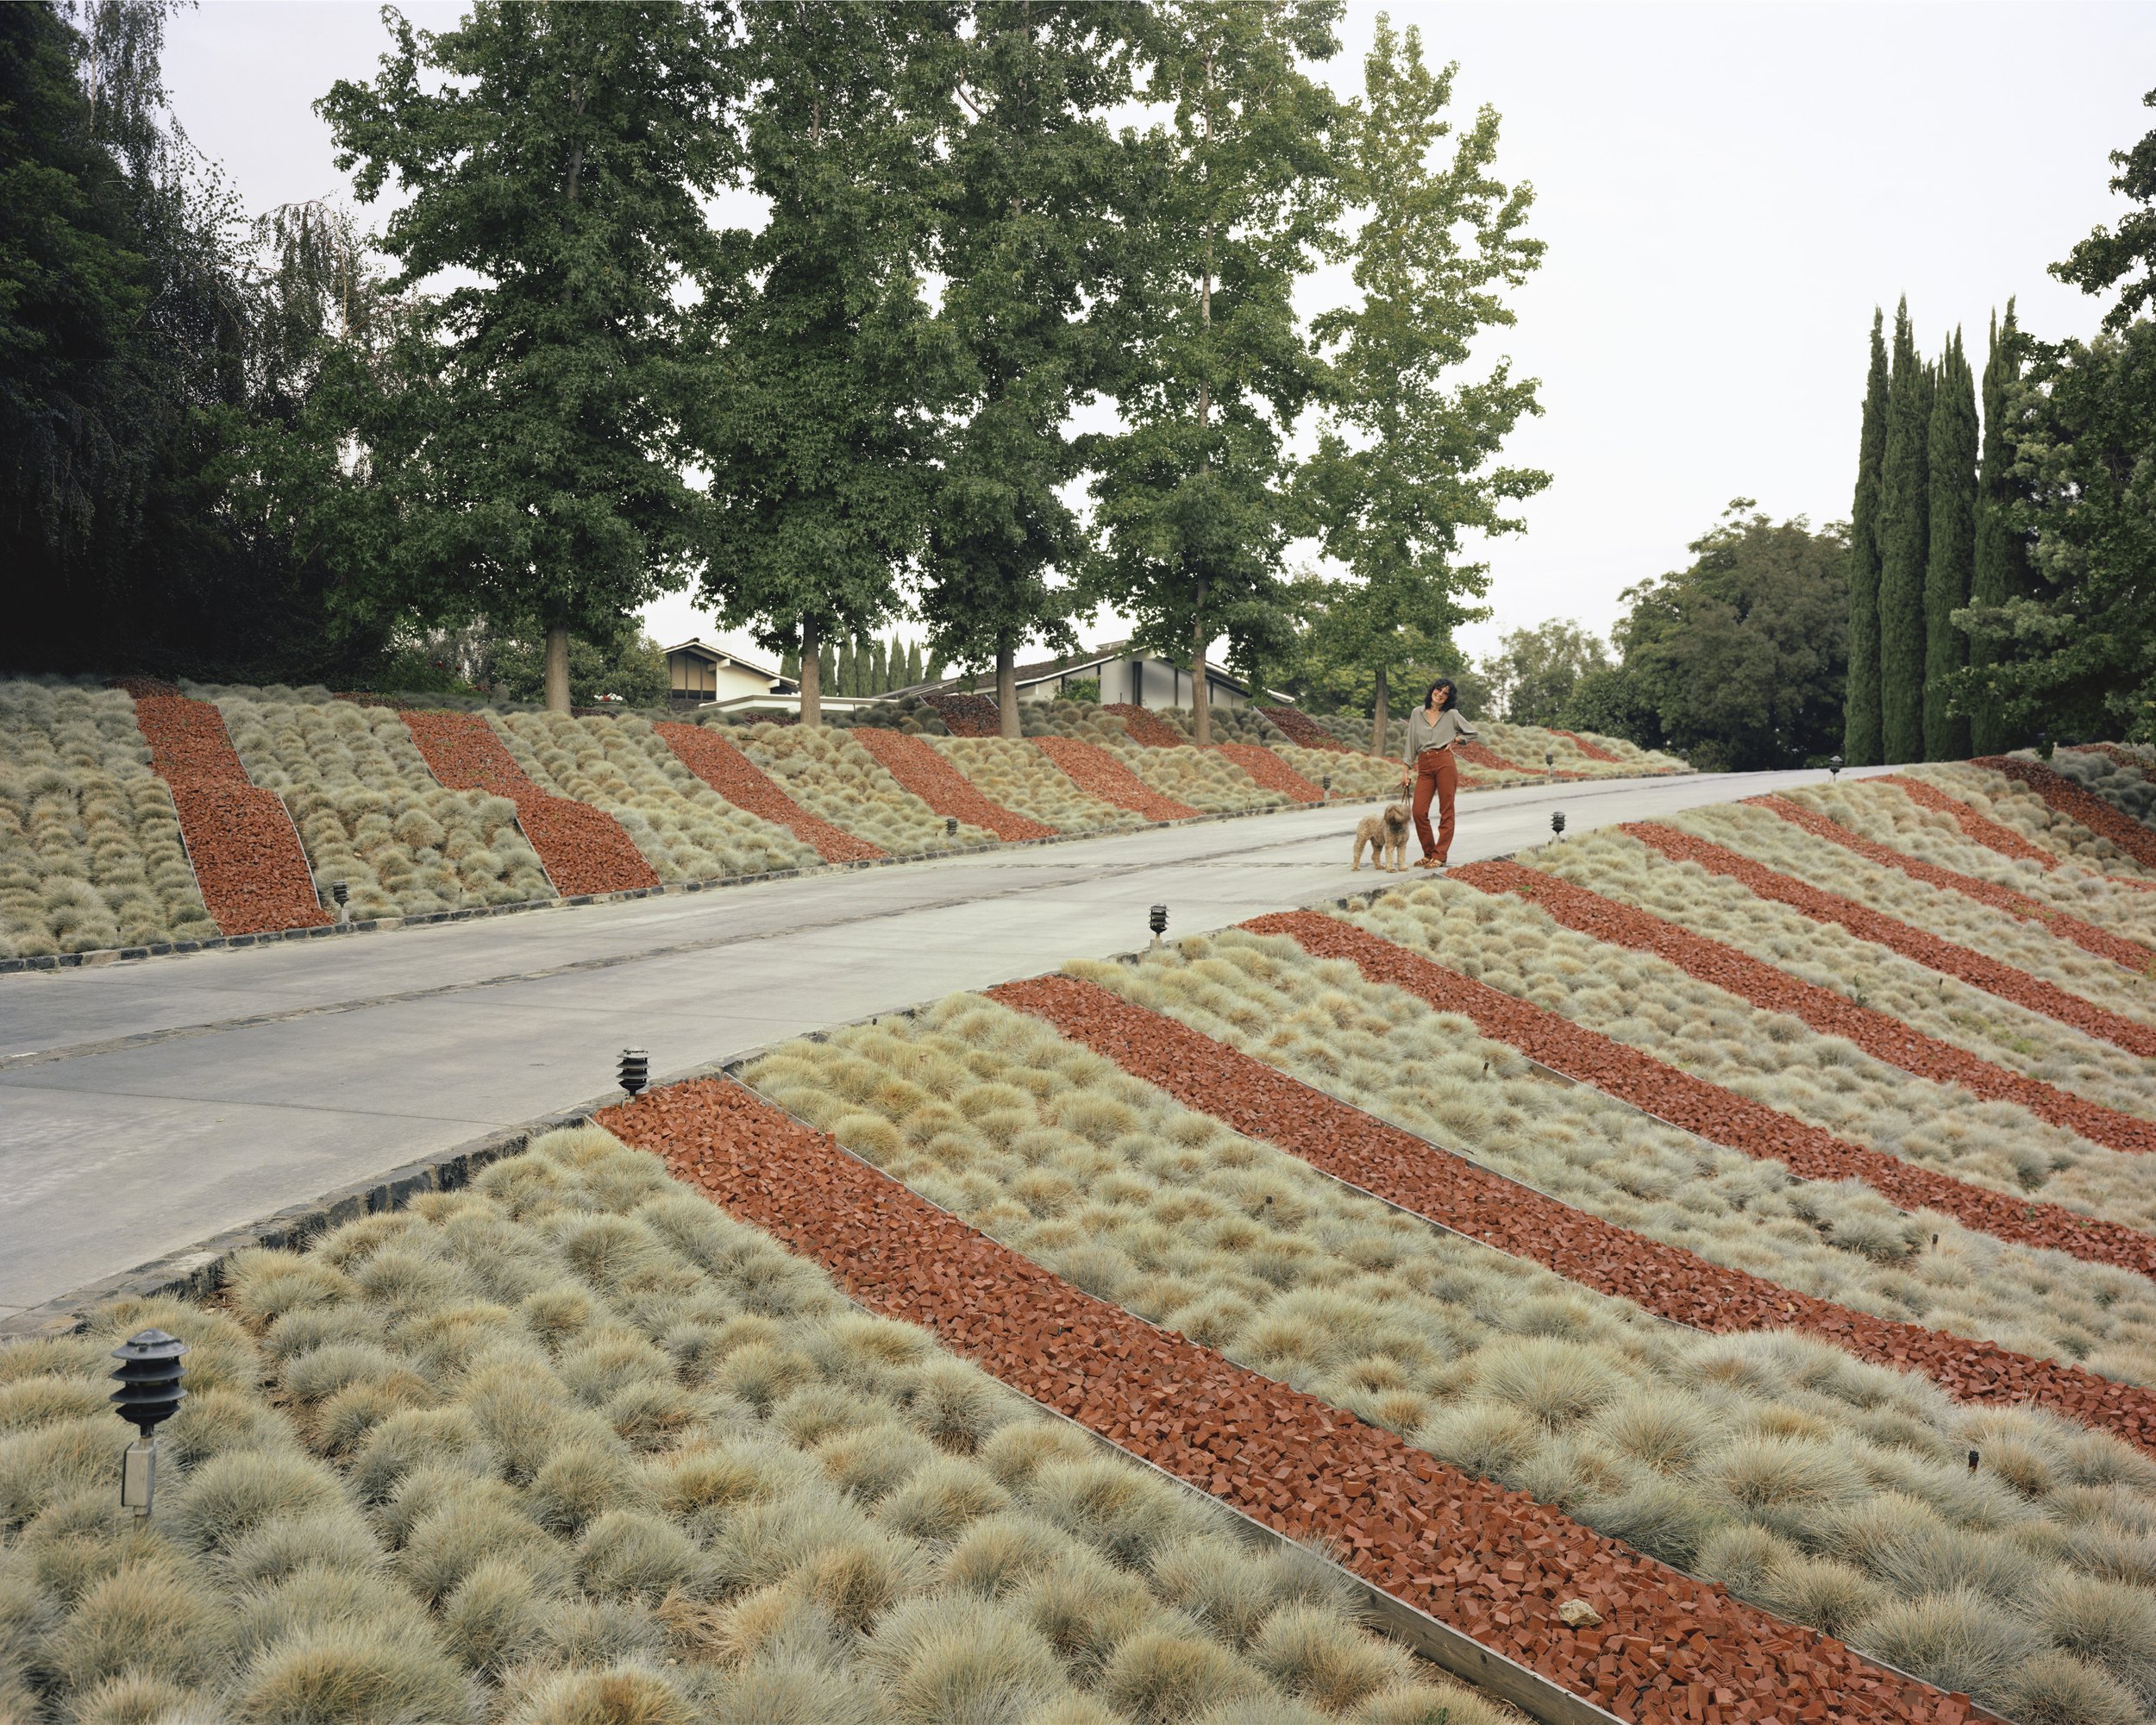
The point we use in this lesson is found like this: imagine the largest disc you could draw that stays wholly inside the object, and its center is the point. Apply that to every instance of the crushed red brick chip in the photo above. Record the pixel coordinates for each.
(2085, 935)
(1262, 1102)
(1482, 755)
(965, 715)
(1981, 828)
(2007, 981)
(747, 786)
(2063, 796)
(1147, 727)
(1711, 1111)
(1593, 751)
(1773, 990)
(583, 850)
(921, 771)
(1304, 732)
(1270, 771)
(1098, 774)
(1493, 1564)
(247, 855)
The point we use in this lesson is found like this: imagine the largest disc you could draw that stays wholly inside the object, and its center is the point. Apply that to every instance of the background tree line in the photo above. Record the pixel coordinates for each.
(548, 389)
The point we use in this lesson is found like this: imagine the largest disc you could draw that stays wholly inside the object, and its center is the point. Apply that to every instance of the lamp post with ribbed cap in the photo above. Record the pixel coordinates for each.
(149, 1394)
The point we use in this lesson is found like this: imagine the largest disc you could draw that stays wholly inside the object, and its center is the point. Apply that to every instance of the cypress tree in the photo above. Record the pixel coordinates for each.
(2001, 570)
(1860, 704)
(1904, 499)
(913, 673)
(883, 666)
(1951, 556)
(827, 668)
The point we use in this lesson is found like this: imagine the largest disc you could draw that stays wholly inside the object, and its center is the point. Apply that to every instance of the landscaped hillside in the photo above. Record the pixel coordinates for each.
(163, 818)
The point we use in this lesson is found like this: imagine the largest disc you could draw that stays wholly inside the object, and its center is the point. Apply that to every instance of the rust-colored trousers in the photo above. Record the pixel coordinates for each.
(1435, 770)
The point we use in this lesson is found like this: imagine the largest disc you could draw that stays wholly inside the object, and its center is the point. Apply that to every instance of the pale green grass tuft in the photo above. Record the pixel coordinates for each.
(962, 1659)
(1958, 1641)
(146, 1618)
(1326, 1660)
(1161, 1677)
(627, 1695)
(229, 1498)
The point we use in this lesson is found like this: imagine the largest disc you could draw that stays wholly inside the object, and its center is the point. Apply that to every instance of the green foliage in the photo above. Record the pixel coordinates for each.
(2123, 257)
(1951, 556)
(1403, 464)
(631, 666)
(813, 410)
(1534, 671)
(2001, 569)
(1904, 507)
(1741, 658)
(1229, 202)
(1860, 733)
(1086, 689)
(521, 455)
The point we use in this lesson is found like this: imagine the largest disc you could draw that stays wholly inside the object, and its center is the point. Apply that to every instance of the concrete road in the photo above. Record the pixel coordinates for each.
(144, 1107)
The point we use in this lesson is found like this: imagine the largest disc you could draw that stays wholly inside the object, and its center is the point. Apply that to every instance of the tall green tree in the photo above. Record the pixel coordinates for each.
(817, 413)
(2001, 570)
(1229, 202)
(1406, 460)
(1860, 732)
(1950, 447)
(1533, 674)
(1027, 221)
(1904, 503)
(554, 162)
(1741, 657)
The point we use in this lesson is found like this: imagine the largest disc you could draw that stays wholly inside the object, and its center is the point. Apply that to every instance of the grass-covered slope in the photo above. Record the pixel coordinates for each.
(1820, 1488)
(91, 854)
(575, 1448)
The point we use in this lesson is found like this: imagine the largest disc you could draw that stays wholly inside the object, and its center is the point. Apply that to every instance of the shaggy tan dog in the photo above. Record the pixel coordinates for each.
(1384, 833)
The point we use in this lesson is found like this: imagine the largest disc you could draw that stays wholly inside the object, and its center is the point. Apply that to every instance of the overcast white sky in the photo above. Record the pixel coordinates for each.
(1726, 190)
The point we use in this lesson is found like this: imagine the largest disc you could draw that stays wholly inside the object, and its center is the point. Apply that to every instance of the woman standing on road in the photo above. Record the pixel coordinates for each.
(1432, 729)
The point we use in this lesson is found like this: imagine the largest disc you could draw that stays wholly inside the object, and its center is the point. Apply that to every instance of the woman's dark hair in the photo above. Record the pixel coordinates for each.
(1451, 694)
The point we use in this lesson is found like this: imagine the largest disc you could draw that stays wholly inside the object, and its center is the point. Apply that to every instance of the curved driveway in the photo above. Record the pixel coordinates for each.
(145, 1106)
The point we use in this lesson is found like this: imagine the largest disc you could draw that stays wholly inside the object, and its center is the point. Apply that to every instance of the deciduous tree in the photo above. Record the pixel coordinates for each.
(1532, 674)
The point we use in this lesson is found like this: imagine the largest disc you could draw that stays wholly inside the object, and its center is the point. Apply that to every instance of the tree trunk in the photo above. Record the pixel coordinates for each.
(1380, 718)
(1007, 691)
(1200, 703)
(557, 667)
(812, 674)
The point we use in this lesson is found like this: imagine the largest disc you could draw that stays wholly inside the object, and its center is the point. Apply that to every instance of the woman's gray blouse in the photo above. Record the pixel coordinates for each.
(1424, 733)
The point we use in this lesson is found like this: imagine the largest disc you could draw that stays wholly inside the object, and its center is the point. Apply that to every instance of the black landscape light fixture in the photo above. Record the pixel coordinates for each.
(1557, 822)
(1973, 1459)
(1550, 760)
(1157, 921)
(1325, 784)
(149, 1394)
(951, 825)
(1834, 769)
(635, 1070)
(342, 894)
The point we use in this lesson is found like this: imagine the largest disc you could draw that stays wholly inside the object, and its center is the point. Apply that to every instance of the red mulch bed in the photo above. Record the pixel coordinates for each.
(2065, 797)
(1990, 833)
(967, 715)
(1482, 755)
(1593, 751)
(1304, 732)
(918, 766)
(2087, 936)
(1717, 1114)
(1492, 1563)
(747, 786)
(1270, 771)
(2007, 981)
(247, 855)
(582, 848)
(1144, 727)
(1262, 1102)
(1098, 774)
(1776, 991)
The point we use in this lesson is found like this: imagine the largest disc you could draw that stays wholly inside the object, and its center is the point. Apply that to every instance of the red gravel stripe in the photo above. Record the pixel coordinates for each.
(1593, 751)
(1992, 834)
(1482, 755)
(1098, 774)
(1491, 1563)
(747, 786)
(1776, 991)
(245, 853)
(1304, 732)
(921, 771)
(2087, 936)
(1719, 1115)
(2007, 981)
(1145, 727)
(1262, 1102)
(1270, 771)
(582, 848)
(2065, 797)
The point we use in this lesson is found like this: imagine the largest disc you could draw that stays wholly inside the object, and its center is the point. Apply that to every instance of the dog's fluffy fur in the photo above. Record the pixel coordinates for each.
(1386, 834)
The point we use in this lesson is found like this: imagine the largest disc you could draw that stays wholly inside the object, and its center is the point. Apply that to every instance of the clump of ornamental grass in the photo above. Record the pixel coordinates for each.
(1011, 773)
